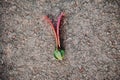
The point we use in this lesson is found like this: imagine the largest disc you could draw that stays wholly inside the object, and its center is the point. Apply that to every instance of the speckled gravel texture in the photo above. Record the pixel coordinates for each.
(90, 34)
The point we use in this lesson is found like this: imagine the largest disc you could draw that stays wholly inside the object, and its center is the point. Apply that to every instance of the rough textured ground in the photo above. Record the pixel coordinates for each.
(91, 38)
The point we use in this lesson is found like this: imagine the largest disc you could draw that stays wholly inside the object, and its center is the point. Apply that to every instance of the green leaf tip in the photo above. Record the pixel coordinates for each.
(59, 54)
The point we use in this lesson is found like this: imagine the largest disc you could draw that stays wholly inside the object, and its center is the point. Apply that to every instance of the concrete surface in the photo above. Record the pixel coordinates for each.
(91, 38)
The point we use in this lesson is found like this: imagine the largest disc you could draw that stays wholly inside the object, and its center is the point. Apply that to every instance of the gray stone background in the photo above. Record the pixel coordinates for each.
(90, 33)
